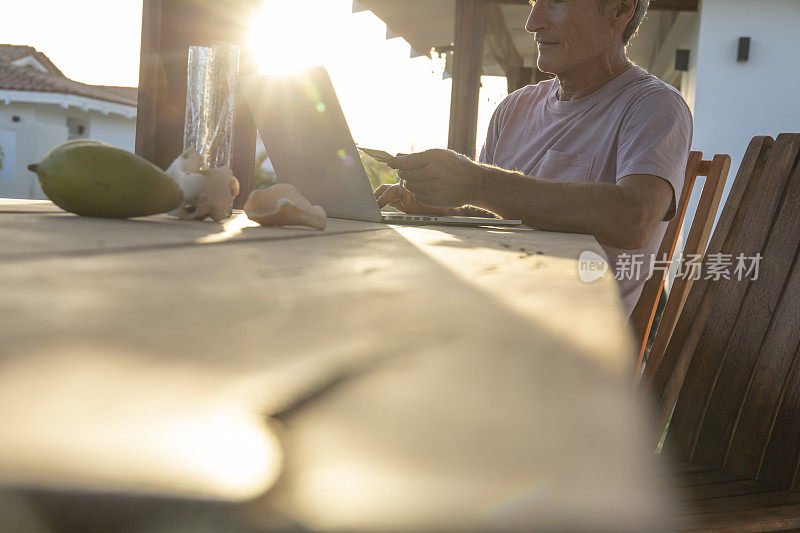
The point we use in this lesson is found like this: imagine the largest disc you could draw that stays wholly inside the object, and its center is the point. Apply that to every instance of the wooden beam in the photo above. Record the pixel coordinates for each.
(470, 30)
(666, 5)
(500, 42)
(502, 46)
(663, 63)
(169, 27)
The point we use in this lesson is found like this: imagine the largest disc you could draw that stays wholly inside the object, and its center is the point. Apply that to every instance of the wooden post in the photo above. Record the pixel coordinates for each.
(470, 30)
(162, 84)
(150, 80)
(500, 42)
(244, 137)
(169, 27)
(519, 78)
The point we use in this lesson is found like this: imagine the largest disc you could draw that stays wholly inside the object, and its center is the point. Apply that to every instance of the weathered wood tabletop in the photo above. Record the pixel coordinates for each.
(364, 378)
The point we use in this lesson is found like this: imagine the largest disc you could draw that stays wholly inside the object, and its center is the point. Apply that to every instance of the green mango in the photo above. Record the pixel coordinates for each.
(94, 179)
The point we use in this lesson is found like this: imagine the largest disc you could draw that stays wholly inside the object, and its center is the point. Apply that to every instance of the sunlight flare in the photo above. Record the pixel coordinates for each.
(288, 36)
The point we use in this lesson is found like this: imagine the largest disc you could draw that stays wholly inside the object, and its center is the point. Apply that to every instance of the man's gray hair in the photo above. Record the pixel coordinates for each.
(636, 21)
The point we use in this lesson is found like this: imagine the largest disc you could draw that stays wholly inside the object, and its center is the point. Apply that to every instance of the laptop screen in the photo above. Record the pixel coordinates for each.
(309, 143)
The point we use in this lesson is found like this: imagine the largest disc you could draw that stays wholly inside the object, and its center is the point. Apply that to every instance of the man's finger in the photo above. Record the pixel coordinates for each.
(399, 205)
(409, 162)
(387, 198)
(391, 194)
(406, 197)
(418, 186)
(427, 198)
(419, 174)
(380, 190)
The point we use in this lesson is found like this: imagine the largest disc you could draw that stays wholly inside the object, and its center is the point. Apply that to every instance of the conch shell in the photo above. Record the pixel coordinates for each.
(283, 205)
(206, 193)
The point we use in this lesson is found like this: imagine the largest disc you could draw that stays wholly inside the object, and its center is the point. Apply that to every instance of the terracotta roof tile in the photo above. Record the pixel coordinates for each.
(12, 52)
(19, 78)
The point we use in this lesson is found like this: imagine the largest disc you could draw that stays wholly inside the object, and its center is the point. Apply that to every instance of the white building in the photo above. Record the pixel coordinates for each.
(732, 98)
(41, 108)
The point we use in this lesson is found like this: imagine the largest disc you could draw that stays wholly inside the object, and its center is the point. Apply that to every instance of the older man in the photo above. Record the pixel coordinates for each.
(600, 149)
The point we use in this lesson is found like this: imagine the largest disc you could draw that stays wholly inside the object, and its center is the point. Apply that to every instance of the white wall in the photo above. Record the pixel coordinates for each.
(735, 101)
(114, 130)
(111, 129)
(43, 126)
(26, 130)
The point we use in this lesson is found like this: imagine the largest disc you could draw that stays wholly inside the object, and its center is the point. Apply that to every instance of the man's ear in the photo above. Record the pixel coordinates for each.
(626, 9)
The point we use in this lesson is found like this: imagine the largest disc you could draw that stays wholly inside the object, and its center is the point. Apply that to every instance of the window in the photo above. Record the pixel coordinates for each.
(77, 128)
(8, 142)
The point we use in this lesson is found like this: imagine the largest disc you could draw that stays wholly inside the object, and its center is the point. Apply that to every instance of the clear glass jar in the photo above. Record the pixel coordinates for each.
(212, 77)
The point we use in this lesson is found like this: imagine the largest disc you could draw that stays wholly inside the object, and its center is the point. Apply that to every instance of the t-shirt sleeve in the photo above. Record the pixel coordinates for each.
(487, 153)
(655, 140)
(495, 128)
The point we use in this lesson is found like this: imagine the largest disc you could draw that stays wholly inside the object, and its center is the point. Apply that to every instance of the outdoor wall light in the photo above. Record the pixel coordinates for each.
(744, 50)
(682, 60)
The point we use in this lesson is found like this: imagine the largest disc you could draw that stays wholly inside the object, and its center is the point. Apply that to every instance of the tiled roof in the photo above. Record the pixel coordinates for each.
(11, 52)
(26, 78)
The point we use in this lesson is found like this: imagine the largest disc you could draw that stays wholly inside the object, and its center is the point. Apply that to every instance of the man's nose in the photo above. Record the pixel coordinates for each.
(535, 19)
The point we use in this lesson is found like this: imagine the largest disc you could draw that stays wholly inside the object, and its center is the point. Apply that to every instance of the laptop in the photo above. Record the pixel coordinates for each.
(310, 145)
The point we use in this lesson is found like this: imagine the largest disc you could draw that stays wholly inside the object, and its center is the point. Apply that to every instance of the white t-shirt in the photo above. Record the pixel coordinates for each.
(635, 124)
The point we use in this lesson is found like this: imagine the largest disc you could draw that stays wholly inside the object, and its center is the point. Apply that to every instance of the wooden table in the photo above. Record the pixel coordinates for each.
(365, 378)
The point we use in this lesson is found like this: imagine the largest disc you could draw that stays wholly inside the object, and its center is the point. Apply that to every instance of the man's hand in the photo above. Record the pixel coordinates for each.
(398, 197)
(441, 178)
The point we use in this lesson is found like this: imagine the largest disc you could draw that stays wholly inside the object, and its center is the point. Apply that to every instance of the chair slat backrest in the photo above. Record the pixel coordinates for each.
(641, 321)
(665, 372)
(739, 406)
(775, 382)
(642, 316)
(739, 357)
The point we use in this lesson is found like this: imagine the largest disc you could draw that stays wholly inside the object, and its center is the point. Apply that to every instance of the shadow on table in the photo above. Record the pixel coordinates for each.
(43, 511)
(30, 236)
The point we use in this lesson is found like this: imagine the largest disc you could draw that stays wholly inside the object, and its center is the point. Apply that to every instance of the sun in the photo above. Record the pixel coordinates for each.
(288, 35)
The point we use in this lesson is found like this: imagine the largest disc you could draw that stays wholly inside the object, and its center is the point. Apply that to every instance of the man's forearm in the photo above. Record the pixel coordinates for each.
(473, 211)
(623, 215)
(568, 206)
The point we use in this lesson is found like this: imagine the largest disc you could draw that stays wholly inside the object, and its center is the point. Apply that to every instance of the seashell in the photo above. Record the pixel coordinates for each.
(206, 193)
(283, 205)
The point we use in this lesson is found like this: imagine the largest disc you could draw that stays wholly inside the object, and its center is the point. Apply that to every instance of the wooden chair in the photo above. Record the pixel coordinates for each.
(641, 320)
(733, 358)
(666, 367)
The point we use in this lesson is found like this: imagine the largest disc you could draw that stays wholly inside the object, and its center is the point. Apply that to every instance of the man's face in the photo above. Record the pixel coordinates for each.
(570, 34)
